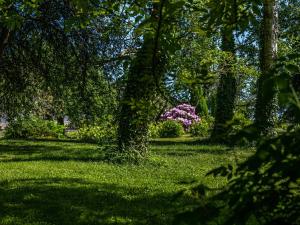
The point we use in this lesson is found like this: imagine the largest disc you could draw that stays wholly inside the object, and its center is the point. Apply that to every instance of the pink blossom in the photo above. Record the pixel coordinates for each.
(183, 113)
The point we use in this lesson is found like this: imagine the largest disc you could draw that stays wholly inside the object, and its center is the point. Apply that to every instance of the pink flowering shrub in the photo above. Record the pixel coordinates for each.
(184, 113)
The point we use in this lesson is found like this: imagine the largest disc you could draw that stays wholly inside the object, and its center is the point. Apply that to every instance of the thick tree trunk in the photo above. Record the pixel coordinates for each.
(227, 90)
(136, 105)
(265, 112)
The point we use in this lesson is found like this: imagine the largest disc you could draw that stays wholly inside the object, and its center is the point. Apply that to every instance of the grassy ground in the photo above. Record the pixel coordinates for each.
(53, 182)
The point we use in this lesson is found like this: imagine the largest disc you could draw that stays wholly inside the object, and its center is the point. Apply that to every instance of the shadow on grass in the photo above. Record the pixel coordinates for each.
(26, 149)
(170, 141)
(46, 151)
(39, 151)
(78, 202)
(188, 150)
(193, 152)
(54, 140)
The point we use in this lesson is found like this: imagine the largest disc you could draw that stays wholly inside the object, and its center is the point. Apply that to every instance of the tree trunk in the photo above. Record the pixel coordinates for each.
(4, 36)
(265, 112)
(60, 120)
(136, 105)
(227, 90)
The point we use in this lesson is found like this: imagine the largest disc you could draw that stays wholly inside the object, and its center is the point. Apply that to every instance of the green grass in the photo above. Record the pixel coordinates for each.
(53, 182)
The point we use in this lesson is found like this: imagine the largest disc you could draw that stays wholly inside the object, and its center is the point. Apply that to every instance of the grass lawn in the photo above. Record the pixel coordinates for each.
(55, 182)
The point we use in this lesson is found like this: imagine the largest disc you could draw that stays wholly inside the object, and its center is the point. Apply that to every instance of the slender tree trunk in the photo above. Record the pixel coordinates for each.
(265, 112)
(4, 31)
(4, 36)
(227, 90)
(143, 78)
(60, 120)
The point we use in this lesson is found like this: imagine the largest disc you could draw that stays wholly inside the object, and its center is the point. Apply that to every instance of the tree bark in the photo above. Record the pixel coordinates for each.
(60, 120)
(4, 36)
(227, 89)
(143, 78)
(265, 112)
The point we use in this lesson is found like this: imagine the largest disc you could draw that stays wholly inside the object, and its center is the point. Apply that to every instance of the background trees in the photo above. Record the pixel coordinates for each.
(53, 63)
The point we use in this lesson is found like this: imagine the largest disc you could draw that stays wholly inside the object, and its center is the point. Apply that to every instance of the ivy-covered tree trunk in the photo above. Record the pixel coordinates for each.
(265, 112)
(137, 107)
(227, 89)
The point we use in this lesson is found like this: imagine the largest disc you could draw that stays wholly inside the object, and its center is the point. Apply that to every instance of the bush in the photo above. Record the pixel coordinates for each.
(34, 127)
(170, 129)
(199, 129)
(184, 114)
(202, 128)
(96, 134)
(153, 131)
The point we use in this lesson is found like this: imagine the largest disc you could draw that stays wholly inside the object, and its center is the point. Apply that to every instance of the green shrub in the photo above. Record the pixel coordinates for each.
(34, 127)
(170, 129)
(96, 134)
(200, 129)
(153, 131)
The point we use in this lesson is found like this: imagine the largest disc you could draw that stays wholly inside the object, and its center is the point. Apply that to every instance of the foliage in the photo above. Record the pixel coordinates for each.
(153, 130)
(96, 134)
(56, 62)
(170, 128)
(95, 101)
(281, 128)
(238, 123)
(270, 178)
(184, 114)
(203, 128)
(265, 189)
(34, 127)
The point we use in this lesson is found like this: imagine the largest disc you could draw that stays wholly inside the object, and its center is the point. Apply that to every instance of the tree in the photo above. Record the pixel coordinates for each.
(227, 89)
(3, 39)
(232, 20)
(143, 78)
(145, 75)
(225, 16)
(265, 112)
(52, 54)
